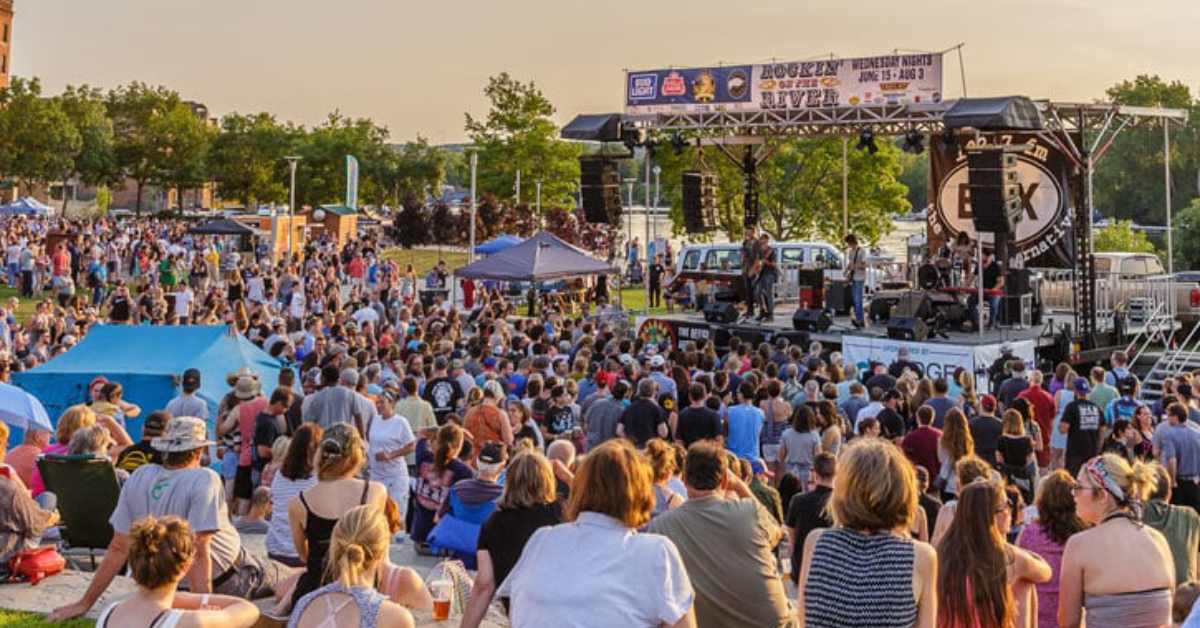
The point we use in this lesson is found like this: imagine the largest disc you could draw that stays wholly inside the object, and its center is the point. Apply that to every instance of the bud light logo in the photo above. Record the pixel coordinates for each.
(643, 86)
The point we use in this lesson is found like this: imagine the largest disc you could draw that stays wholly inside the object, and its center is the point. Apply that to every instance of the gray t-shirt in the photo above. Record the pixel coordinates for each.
(337, 404)
(196, 495)
(802, 447)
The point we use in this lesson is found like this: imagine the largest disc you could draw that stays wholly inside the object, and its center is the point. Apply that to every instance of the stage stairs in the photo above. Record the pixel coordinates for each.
(1176, 358)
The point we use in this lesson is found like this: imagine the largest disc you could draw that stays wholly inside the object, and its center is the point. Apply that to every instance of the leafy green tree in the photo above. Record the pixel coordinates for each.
(914, 174)
(247, 158)
(519, 134)
(1187, 236)
(95, 161)
(800, 189)
(321, 173)
(132, 109)
(411, 226)
(1129, 177)
(410, 171)
(37, 138)
(1120, 236)
(182, 141)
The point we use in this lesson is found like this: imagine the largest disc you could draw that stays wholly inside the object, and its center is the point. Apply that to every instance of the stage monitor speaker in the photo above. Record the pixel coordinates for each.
(600, 190)
(719, 312)
(839, 297)
(699, 201)
(914, 304)
(811, 320)
(907, 328)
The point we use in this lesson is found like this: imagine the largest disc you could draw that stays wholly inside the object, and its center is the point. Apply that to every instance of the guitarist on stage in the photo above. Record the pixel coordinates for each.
(750, 266)
(856, 274)
(764, 285)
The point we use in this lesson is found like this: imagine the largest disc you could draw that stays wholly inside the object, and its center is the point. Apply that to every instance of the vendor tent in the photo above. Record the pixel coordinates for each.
(542, 257)
(499, 243)
(147, 361)
(27, 206)
(222, 226)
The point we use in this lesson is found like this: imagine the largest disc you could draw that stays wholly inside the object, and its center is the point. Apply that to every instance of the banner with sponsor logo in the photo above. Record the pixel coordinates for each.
(351, 182)
(881, 80)
(937, 359)
(1044, 236)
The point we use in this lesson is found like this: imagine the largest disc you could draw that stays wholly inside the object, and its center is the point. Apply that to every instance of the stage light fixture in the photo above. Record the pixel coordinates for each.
(914, 142)
(678, 144)
(866, 141)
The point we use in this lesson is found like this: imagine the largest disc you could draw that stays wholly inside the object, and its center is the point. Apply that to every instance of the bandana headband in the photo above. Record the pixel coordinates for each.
(1098, 471)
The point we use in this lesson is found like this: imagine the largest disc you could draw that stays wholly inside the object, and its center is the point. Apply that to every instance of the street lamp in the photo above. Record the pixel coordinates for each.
(474, 165)
(541, 220)
(657, 193)
(630, 181)
(292, 159)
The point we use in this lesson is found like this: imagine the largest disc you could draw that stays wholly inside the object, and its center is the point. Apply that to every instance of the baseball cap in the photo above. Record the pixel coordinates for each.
(988, 402)
(657, 361)
(760, 468)
(191, 377)
(489, 363)
(493, 453)
(1082, 386)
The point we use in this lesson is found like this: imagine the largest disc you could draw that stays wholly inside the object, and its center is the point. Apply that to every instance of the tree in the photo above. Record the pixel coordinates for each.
(914, 174)
(1187, 236)
(1129, 178)
(1120, 236)
(444, 226)
(132, 108)
(181, 141)
(95, 161)
(247, 158)
(411, 171)
(412, 225)
(321, 173)
(37, 139)
(519, 134)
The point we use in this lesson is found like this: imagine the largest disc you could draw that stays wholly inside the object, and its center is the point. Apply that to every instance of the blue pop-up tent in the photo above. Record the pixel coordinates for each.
(497, 244)
(27, 206)
(148, 361)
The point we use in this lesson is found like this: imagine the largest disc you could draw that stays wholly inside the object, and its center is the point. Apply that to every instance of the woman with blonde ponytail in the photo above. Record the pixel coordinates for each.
(356, 550)
(1119, 570)
(161, 551)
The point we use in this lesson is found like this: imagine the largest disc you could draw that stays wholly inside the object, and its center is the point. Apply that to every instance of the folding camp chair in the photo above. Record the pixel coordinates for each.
(87, 492)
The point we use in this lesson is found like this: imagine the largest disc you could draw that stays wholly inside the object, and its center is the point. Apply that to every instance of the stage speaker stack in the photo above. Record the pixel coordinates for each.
(839, 297)
(912, 303)
(720, 312)
(907, 328)
(994, 189)
(699, 201)
(600, 188)
(811, 320)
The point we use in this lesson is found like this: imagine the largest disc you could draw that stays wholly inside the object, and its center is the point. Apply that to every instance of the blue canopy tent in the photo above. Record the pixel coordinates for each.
(27, 206)
(148, 361)
(543, 257)
(499, 243)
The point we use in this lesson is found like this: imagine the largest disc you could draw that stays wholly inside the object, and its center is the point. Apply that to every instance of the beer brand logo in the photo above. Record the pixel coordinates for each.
(674, 85)
(643, 86)
(704, 88)
(737, 84)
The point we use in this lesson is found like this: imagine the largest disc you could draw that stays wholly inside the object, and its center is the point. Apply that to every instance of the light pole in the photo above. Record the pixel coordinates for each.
(541, 220)
(517, 187)
(630, 181)
(474, 166)
(649, 261)
(291, 159)
(657, 194)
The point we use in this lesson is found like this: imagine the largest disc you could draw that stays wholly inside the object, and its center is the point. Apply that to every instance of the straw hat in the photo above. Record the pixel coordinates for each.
(246, 388)
(184, 433)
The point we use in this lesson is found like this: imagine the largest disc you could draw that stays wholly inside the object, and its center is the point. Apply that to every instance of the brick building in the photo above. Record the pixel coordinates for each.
(6, 21)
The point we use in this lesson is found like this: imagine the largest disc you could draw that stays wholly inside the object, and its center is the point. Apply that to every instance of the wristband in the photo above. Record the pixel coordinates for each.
(204, 601)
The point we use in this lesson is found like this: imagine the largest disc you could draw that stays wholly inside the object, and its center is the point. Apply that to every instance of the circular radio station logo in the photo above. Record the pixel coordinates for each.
(1041, 198)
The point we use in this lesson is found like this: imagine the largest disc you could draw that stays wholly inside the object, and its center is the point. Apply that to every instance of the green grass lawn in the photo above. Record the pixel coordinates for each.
(424, 259)
(25, 309)
(18, 619)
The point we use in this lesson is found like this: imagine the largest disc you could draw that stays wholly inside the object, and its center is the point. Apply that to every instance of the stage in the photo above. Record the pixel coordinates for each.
(937, 355)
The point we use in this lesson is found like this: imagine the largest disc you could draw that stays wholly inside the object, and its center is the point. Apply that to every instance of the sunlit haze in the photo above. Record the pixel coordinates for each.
(416, 67)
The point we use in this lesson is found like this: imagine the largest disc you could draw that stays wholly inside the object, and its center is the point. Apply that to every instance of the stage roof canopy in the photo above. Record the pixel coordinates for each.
(222, 226)
(1007, 113)
(542, 257)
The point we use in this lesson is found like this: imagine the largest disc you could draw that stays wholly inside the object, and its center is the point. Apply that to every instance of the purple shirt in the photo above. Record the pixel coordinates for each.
(1035, 540)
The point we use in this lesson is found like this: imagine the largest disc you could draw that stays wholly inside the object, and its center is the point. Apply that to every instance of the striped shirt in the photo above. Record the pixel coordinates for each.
(279, 531)
(859, 580)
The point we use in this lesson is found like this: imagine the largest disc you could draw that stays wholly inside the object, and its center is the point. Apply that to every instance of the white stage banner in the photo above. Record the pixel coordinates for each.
(938, 359)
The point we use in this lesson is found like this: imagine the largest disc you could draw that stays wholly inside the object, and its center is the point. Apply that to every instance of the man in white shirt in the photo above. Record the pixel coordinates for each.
(183, 303)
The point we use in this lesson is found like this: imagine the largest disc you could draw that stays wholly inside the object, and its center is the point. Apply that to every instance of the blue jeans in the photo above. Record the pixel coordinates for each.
(856, 288)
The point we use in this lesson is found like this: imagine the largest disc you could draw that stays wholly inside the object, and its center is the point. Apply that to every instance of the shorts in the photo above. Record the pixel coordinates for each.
(243, 483)
(252, 577)
(770, 453)
(229, 464)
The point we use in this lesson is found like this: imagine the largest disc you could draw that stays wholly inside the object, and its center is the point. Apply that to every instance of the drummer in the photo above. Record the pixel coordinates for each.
(962, 255)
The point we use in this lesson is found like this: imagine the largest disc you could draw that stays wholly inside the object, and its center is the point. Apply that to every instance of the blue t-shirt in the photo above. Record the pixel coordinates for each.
(745, 424)
(1121, 408)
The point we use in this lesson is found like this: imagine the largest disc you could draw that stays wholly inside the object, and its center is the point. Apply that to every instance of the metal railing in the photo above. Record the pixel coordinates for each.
(1178, 359)
(1144, 300)
(1155, 330)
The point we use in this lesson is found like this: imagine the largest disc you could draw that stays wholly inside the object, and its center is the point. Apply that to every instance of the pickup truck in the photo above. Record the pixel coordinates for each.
(1133, 281)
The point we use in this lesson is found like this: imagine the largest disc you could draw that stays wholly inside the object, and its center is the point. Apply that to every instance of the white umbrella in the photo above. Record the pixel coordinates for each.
(21, 409)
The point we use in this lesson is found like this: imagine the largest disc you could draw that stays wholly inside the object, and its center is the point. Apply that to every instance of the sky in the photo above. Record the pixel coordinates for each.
(417, 66)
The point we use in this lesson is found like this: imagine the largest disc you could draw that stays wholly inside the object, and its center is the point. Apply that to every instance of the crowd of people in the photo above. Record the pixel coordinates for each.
(587, 476)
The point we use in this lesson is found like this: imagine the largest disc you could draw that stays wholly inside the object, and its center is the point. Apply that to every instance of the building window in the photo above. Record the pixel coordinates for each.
(6, 27)
(3, 64)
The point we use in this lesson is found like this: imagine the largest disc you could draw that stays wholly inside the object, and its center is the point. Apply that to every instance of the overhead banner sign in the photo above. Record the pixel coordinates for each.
(1043, 237)
(936, 359)
(883, 80)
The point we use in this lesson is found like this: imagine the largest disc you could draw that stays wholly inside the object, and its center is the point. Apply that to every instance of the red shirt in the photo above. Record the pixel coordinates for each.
(920, 445)
(1044, 410)
(247, 412)
(62, 262)
(356, 267)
